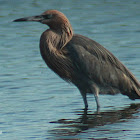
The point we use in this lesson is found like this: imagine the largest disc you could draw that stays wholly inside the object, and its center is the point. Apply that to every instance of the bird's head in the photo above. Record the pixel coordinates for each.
(53, 18)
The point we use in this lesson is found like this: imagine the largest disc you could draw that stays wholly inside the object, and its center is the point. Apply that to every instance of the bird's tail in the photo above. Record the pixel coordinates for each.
(133, 92)
(132, 87)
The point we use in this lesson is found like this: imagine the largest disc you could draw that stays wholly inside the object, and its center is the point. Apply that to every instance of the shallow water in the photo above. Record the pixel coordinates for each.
(37, 104)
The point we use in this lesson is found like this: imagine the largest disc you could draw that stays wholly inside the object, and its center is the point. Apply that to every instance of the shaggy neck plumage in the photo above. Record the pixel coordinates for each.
(59, 36)
(66, 36)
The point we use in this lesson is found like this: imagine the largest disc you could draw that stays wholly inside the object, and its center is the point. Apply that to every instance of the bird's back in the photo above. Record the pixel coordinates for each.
(100, 66)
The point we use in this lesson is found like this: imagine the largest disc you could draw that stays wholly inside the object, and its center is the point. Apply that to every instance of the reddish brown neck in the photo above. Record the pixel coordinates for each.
(58, 37)
(66, 35)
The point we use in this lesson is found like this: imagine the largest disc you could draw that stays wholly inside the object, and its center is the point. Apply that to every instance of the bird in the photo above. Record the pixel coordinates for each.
(82, 61)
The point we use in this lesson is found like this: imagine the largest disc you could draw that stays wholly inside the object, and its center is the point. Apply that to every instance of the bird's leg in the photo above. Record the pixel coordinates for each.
(95, 90)
(84, 99)
(97, 102)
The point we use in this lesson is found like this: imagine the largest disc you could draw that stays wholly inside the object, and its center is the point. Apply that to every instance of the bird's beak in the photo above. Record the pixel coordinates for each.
(38, 18)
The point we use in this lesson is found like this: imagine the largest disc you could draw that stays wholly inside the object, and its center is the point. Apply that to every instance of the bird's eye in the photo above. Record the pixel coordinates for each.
(48, 16)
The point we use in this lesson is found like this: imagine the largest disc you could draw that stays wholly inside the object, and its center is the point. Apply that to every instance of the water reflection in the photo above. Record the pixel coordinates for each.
(88, 120)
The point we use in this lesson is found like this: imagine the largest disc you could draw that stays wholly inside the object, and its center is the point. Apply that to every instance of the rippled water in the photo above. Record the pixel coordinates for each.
(37, 104)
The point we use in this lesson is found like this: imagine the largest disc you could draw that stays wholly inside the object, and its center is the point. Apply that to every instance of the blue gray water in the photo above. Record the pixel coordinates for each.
(35, 103)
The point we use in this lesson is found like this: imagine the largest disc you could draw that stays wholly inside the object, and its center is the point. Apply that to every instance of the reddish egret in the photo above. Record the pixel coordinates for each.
(82, 61)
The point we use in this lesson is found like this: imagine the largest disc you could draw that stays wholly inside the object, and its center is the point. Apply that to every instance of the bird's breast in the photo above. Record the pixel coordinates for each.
(57, 61)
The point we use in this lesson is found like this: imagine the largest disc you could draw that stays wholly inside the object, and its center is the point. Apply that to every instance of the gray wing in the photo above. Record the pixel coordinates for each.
(100, 65)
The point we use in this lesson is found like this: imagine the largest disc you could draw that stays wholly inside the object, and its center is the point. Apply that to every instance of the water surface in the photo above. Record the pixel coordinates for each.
(37, 104)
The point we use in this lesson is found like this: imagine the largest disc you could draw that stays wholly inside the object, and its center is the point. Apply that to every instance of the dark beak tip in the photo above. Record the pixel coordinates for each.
(19, 20)
(16, 20)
